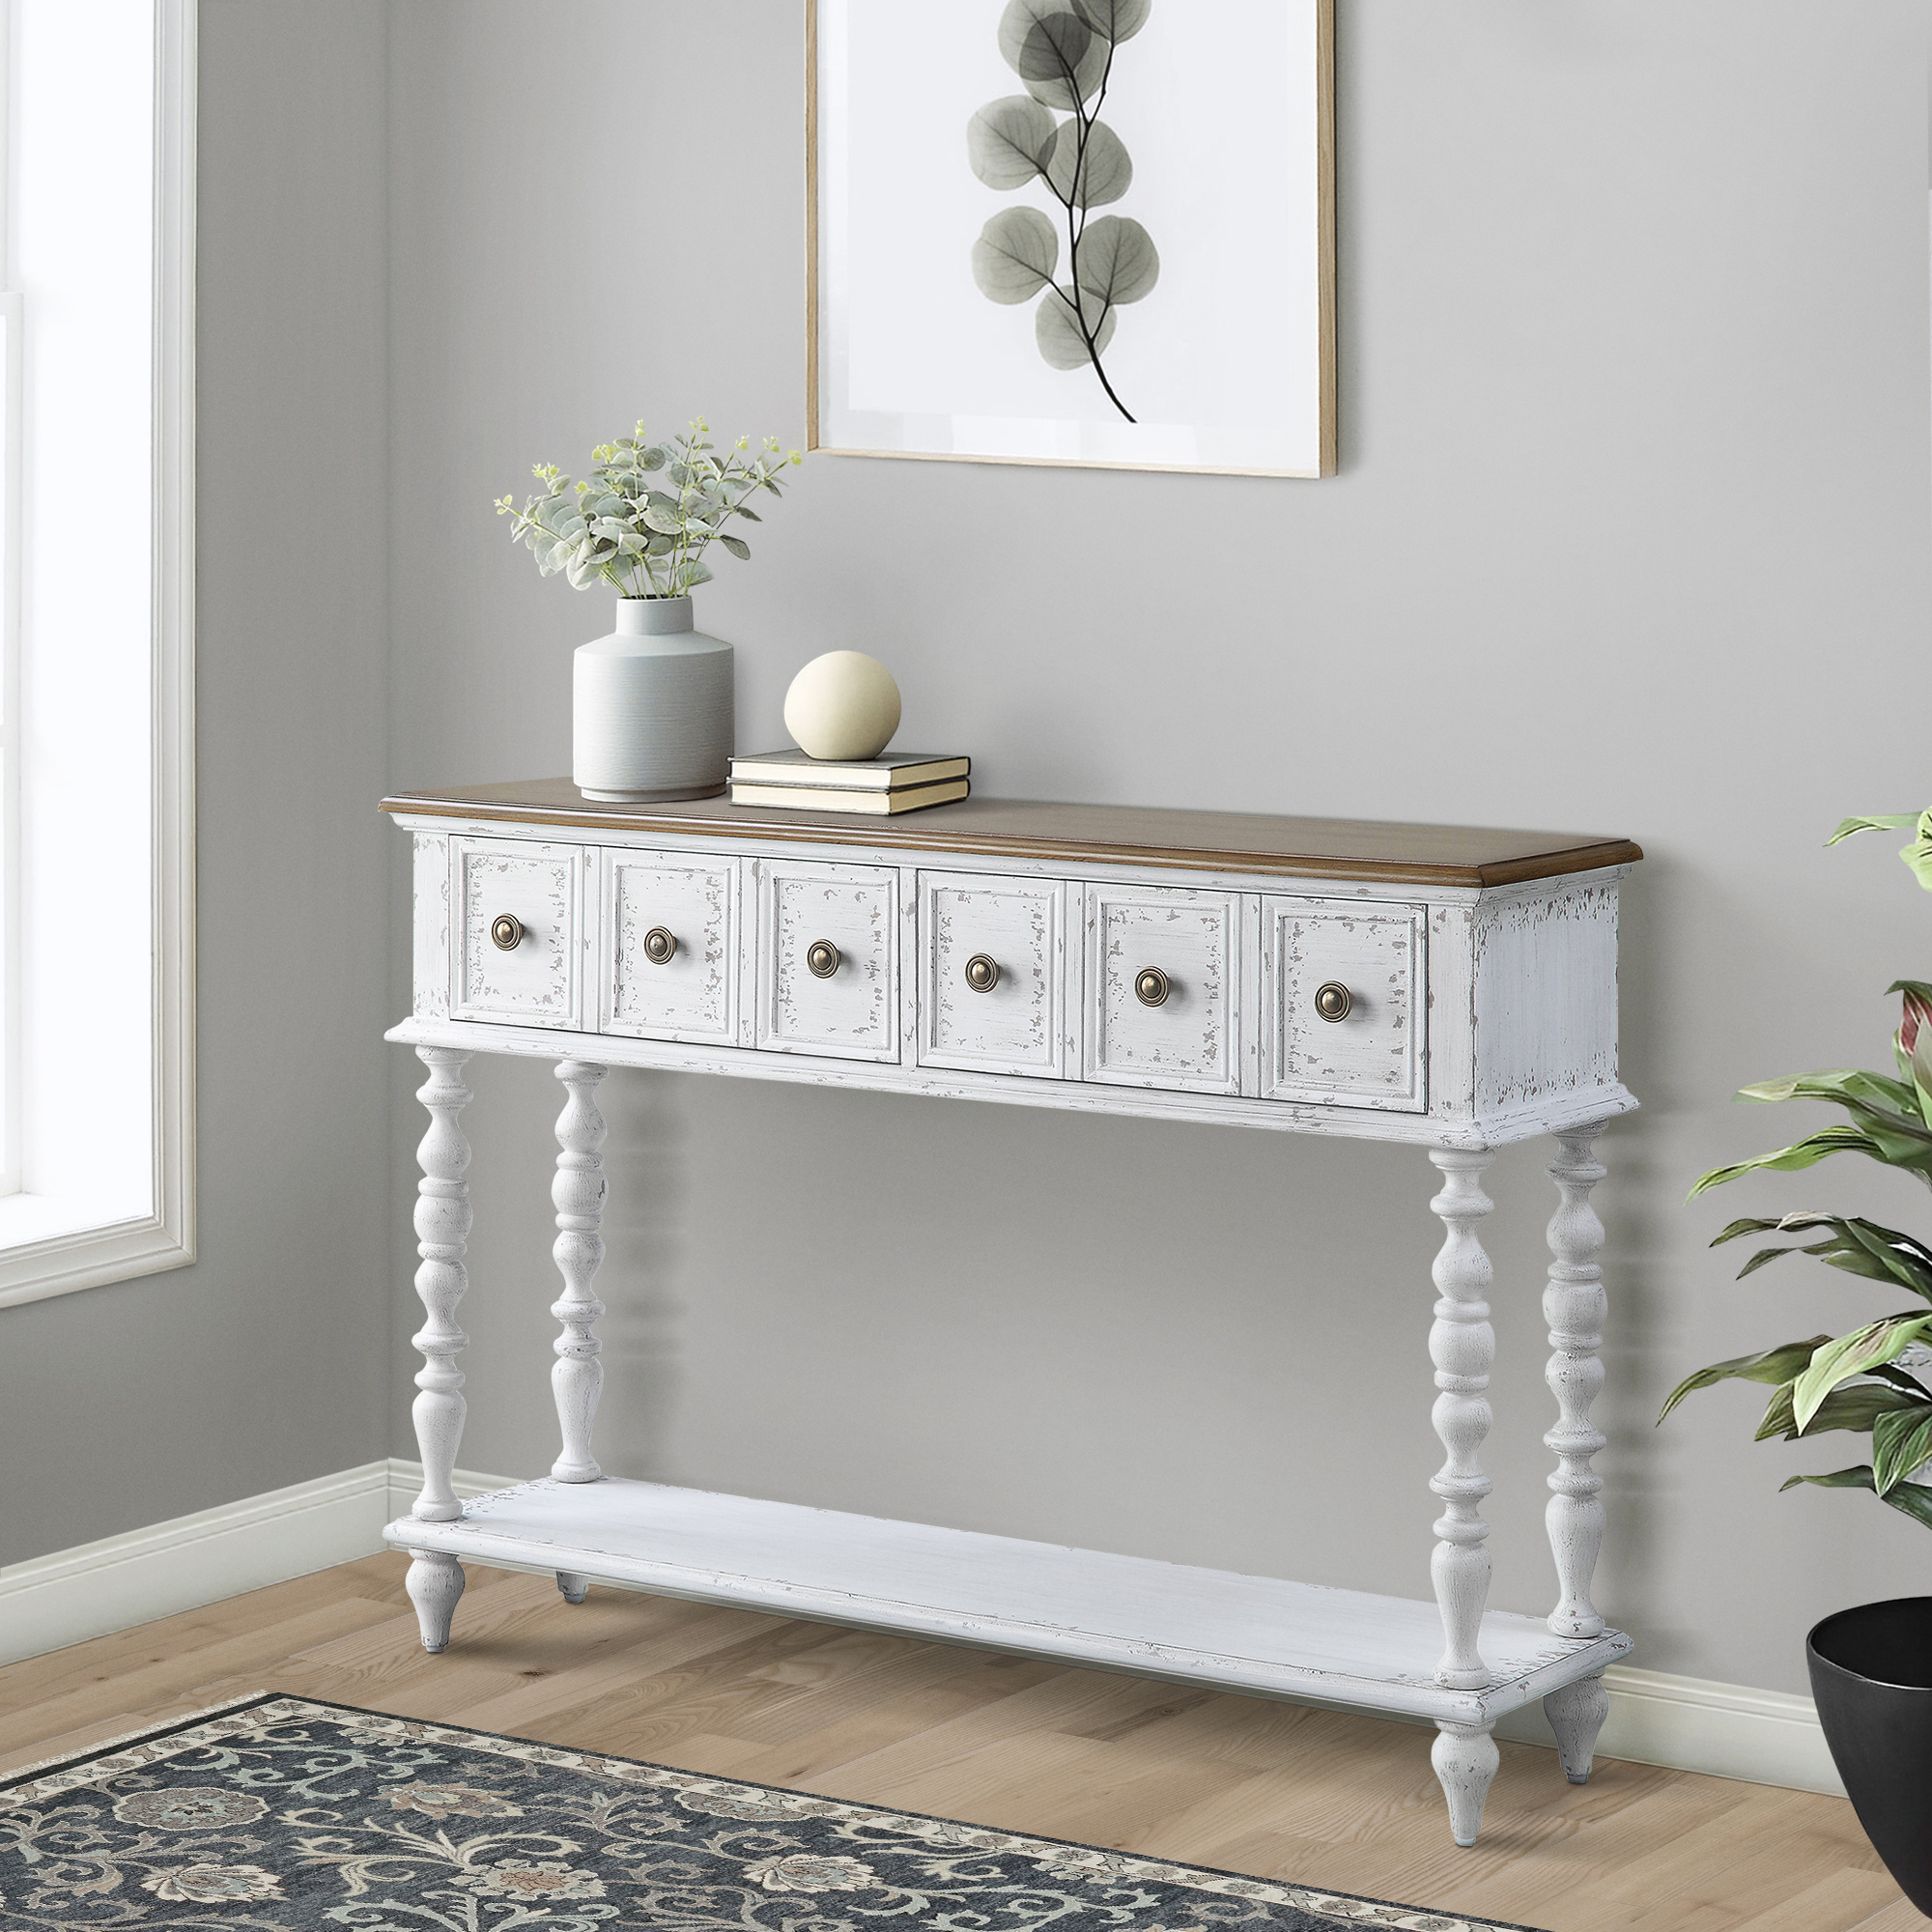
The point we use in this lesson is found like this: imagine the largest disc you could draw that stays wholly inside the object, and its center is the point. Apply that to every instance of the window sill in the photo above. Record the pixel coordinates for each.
(52, 1244)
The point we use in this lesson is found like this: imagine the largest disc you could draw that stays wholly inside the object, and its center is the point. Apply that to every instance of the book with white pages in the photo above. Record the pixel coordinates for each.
(891, 773)
(849, 798)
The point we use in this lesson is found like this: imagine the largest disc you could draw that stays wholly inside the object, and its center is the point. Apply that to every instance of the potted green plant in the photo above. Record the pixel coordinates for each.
(1871, 1665)
(652, 703)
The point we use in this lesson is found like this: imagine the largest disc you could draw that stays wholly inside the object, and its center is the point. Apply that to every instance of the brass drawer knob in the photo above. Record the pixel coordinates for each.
(659, 945)
(1152, 986)
(821, 956)
(506, 932)
(982, 975)
(1334, 1001)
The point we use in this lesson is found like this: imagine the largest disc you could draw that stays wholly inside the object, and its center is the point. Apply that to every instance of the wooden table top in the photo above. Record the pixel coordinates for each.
(1218, 842)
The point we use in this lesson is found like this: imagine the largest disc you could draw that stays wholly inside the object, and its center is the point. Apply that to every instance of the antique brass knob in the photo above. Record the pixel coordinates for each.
(1334, 1001)
(982, 975)
(506, 931)
(659, 945)
(822, 957)
(1152, 986)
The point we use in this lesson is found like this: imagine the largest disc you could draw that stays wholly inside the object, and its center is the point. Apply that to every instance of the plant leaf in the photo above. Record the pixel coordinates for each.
(1808, 1152)
(1116, 20)
(1911, 1498)
(1918, 855)
(737, 546)
(1857, 1407)
(1858, 1247)
(1900, 1441)
(1854, 1354)
(1092, 174)
(1773, 1365)
(1016, 255)
(1117, 260)
(1009, 140)
(1059, 336)
(1055, 52)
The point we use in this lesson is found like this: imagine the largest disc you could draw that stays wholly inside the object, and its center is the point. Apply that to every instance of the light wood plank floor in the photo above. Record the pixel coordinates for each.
(1239, 1782)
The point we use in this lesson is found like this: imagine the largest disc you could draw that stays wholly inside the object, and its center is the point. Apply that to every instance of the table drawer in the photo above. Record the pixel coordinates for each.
(671, 938)
(992, 976)
(1164, 988)
(828, 959)
(1346, 1004)
(519, 931)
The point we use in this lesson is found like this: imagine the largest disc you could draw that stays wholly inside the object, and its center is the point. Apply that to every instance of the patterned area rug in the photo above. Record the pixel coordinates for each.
(281, 1811)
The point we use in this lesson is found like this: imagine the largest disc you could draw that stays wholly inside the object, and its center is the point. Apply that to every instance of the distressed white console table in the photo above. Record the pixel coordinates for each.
(1448, 987)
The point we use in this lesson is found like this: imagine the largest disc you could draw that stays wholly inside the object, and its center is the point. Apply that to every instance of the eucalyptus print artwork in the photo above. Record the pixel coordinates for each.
(1063, 51)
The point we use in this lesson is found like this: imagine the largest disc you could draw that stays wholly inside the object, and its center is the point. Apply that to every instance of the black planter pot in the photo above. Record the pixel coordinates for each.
(1871, 1673)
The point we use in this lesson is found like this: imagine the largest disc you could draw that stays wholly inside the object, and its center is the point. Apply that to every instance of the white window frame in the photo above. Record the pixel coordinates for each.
(33, 1270)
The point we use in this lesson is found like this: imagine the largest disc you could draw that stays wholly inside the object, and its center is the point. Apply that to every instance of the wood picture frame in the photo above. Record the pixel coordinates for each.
(914, 195)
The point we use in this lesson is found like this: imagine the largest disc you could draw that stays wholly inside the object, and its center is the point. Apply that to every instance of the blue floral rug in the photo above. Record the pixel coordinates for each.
(281, 1811)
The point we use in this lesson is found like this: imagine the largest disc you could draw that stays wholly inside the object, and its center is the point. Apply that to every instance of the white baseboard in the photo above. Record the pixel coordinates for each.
(71, 1595)
(1689, 1724)
(1693, 1724)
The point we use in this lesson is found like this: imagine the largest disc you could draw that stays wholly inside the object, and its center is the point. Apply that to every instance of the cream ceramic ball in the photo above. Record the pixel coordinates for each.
(842, 705)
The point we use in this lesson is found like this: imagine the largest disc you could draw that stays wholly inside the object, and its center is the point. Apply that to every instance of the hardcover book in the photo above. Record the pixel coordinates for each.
(848, 798)
(890, 773)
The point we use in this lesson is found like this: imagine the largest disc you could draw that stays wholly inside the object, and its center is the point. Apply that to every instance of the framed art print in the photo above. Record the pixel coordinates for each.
(1073, 231)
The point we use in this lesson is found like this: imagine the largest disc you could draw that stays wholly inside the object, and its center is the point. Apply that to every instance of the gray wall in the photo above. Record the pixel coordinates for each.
(264, 1363)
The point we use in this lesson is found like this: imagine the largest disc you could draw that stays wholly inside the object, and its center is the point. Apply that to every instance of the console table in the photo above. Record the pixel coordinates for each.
(1448, 987)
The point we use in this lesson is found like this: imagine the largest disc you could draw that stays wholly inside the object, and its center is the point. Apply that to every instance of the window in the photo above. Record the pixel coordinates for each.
(96, 600)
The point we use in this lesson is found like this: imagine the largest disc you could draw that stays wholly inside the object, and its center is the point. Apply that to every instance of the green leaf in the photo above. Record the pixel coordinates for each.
(1856, 1407)
(1115, 21)
(737, 546)
(1117, 260)
(1008, 141)
(1854, 1354)
(668, 523)
(1808, 1152)
(1911, 1498)
(1058, 57)
(1858, 1247)
(1773, 1365)
(1058, 333)
(1016, 255)
(1900, 1441)
(1918, 855)
(1092, 174)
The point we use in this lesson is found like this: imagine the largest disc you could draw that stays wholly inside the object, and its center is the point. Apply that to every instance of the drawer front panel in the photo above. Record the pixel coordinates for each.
(539, 980)
(651, 900)
(1191, 1037)
(852, 1011)
(1018, 1023)
(1375, 1055)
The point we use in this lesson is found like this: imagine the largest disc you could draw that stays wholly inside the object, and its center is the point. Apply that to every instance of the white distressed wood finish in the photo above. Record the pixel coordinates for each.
(1172, 1620)
(578, 1193)
(1463, 1346)
(853, 1014)
(1576, 1712)
(1194, 1042)
(694, 994)
(1376, 1057)
(1482, 1015)
(1574, 1306)
(1018, 1025)
(442, 1220)
(540, 981)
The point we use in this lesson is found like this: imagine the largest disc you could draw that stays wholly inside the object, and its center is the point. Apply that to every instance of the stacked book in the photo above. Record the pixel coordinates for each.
(901, 782)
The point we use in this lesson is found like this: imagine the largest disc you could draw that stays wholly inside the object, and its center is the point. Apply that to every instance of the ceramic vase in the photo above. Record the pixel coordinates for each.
(652, 707)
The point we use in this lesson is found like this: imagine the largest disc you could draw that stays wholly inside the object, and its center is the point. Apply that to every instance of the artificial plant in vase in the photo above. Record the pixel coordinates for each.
(1871, 1666)
(652, 713)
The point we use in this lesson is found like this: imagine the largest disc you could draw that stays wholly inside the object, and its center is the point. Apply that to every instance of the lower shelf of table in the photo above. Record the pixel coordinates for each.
(1169, 1620)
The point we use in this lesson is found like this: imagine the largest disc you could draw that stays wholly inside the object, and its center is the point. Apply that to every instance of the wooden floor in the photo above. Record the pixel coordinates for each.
(1239, 1782)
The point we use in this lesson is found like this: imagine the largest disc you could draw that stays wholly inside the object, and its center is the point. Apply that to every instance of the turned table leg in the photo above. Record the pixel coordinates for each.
(1463, 1346)
(577, 1379)
(1574, 1307)
(443, 1230)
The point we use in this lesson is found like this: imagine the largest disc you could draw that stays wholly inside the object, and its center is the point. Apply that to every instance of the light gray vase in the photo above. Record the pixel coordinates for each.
(652, 712)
